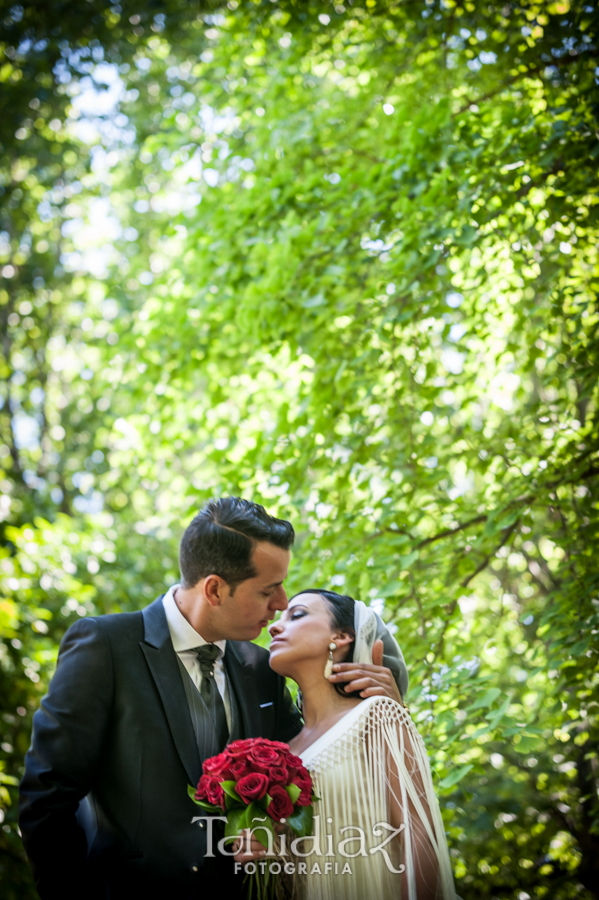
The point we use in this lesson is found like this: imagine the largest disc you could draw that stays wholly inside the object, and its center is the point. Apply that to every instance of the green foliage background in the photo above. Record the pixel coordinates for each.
(341, 259)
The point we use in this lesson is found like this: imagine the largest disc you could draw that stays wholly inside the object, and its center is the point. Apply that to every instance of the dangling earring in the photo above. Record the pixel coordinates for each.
(328, 669)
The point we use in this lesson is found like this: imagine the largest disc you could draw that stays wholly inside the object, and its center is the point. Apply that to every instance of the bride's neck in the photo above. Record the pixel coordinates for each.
(320, 700)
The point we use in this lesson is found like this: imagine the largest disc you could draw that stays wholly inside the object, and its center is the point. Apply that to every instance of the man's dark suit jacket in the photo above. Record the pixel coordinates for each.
(115, 728)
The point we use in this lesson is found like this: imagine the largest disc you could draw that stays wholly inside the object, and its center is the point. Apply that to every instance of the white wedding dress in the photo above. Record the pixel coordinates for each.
(371, 772)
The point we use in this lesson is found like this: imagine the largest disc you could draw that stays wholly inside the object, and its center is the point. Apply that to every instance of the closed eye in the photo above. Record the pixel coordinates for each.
(298, 615)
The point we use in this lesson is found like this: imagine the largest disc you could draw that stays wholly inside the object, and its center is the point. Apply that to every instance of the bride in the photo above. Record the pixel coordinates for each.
(368, 763)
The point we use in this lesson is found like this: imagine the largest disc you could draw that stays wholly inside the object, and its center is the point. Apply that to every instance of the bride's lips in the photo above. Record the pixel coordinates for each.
(277, 640)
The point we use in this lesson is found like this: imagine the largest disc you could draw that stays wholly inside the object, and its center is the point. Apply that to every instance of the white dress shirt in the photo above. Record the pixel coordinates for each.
(185, 639)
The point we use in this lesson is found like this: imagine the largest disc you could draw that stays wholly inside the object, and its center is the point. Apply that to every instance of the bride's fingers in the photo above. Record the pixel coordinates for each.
(360, 684)
(377, 652)
(245, 853)
(360, 680)
(350, 671)
(376, 691)
(345, 669)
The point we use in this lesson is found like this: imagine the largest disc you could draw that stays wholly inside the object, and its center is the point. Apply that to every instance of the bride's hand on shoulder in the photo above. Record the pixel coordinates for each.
(370, 679)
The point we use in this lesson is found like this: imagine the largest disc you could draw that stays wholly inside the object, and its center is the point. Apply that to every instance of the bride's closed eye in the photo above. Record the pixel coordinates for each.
(298, 615)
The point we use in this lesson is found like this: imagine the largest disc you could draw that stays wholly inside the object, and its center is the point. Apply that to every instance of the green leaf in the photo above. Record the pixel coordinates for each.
(406, 561)
(528, 745)
(487, 699)
(301, 821)
(229, 789)
(312, 302)
(263, 802)
(455, 775)
(9, 779)
(235, 822)
(484, 729)
(494, 717)
(209, 807)
(468, 236)
(294, 791)
(258, 820)
(389, 590)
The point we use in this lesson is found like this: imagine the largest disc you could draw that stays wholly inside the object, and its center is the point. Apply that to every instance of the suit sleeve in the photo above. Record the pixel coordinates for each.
(288, 719)
(66, 746)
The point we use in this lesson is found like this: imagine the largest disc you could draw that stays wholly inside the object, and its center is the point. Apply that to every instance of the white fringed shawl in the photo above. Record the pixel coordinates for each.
(371, 767)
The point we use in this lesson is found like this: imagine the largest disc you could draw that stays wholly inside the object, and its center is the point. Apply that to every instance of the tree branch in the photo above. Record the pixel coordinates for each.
(563, 61)
(448, 531)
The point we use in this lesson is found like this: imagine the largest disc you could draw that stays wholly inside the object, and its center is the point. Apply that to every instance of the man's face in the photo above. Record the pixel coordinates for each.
(255, 601)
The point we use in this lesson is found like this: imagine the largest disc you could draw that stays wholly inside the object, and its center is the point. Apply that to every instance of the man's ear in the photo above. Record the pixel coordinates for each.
(214, 589)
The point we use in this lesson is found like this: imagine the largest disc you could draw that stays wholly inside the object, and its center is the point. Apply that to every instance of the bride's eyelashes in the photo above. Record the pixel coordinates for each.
(297, 612)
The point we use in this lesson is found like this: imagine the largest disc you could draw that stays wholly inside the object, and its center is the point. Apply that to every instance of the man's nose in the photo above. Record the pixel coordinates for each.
(279, 599)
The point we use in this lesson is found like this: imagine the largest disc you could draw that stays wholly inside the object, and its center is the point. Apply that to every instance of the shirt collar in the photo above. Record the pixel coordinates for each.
(183, 636)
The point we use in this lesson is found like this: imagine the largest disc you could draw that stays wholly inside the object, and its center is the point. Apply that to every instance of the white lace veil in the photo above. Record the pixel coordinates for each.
(369, 627)
(365, 626)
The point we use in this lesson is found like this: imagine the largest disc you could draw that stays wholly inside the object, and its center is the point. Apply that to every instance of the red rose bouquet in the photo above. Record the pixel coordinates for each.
(256, 783)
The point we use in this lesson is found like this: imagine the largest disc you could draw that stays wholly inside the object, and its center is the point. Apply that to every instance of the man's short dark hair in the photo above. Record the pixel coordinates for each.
(221, 538)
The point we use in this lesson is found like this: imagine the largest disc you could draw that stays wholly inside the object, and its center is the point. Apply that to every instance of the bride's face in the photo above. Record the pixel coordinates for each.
(303, 633)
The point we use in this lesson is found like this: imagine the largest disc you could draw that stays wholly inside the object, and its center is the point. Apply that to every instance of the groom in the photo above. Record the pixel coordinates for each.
(140, 699)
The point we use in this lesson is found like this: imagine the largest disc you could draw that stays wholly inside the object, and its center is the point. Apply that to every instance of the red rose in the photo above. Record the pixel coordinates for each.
(278, 775)
(215, 793)
(210, 791)
(240, 748)
(294, 764)
(239, 767)
(304, 783)
(280, 806)
(252, 787)
(265, 756)
(218, 766)
(279, 745)
(201, 789)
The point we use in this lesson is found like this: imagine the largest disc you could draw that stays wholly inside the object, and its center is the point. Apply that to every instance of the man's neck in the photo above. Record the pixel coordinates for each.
(192, 605)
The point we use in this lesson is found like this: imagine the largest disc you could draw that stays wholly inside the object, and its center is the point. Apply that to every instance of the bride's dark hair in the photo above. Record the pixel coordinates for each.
(342, 619)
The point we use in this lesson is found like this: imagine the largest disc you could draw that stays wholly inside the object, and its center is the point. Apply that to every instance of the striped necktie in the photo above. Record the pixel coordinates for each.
(207, 656)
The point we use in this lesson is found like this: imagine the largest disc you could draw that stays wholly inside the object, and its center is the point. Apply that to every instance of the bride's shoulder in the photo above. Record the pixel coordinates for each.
(382, 706)
(379, 711)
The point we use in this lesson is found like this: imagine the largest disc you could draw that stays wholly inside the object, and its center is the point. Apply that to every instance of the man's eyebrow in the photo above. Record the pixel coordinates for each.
(274, 584)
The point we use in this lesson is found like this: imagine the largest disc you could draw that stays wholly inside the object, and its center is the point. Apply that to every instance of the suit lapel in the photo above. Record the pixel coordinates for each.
(243, 680)
(161, 658)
